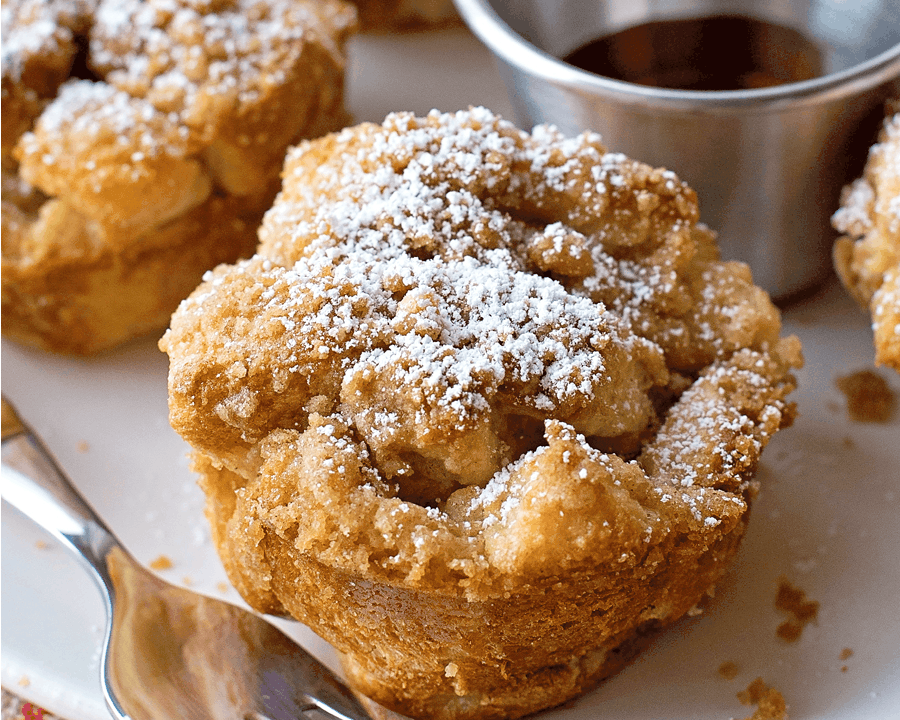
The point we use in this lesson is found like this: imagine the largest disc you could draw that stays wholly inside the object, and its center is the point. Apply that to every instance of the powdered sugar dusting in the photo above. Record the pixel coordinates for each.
(528, 335)
(96, 109)
(38, 39)
(855, 213)
(195, 58)
(233, 80)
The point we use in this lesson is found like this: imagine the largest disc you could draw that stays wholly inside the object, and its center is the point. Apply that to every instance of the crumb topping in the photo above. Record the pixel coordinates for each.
(458, 340)
(125, 115)
(39, 35)
(199, 59)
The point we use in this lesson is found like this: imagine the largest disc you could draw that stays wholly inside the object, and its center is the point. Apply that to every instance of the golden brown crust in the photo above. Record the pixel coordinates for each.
(484, 409)
(867, 257)
(73, 293)
(130, 125)
(115, 158)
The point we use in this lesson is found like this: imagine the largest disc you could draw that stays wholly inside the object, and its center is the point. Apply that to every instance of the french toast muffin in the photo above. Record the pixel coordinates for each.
(867, 255)
(484, 409)
(142, 142)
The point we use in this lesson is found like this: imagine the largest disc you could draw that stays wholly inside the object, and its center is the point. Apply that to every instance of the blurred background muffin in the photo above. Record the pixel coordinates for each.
(142, 141)
(867, 256)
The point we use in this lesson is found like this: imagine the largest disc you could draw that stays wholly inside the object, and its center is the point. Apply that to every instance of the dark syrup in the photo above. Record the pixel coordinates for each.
(725, 52)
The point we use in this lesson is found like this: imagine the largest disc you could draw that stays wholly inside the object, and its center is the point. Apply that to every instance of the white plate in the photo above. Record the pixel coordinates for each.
(826, 517)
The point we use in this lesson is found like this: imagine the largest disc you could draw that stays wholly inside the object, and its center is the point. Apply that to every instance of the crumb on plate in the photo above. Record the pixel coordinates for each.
(770, 704)
(792, 600)
(869, 397)
(729, 670)
(163, 562)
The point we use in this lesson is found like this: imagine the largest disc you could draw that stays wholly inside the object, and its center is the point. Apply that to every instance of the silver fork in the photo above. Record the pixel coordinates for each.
(167, 652)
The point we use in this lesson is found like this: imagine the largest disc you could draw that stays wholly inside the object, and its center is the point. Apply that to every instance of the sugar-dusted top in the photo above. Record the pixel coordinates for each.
(458, 340)
(201, 58)
(39, 33)
(133, 114)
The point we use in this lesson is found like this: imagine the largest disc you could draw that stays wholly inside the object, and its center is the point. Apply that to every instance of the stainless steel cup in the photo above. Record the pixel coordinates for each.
(767, 164)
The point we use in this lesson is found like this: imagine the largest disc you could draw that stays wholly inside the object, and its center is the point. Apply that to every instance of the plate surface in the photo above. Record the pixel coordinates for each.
(826, 517)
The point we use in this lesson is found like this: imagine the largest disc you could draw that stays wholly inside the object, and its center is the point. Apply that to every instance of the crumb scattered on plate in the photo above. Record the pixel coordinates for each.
(770, 704)
(729, 670)
(869, 397)
(792, 600)
(161, 563)
(846, 654)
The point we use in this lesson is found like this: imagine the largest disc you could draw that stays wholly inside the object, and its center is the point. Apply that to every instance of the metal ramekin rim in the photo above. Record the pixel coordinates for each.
(512, 48)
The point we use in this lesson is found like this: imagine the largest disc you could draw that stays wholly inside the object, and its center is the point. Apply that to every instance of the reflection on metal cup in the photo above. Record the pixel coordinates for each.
(768, 158)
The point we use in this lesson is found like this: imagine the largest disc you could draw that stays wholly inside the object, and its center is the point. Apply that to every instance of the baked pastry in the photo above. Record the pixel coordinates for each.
(142, 142)
(867, 256)
(484, 409)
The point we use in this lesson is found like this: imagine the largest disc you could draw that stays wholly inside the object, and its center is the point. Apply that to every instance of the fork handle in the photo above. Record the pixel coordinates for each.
(33, 483)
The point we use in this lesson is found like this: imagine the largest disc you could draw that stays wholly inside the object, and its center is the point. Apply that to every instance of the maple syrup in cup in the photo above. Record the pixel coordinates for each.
(766, 108)
(726, 52)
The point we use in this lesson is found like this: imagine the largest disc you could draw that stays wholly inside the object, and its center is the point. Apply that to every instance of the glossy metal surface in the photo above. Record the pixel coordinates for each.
(767, 164)
(169, 653)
